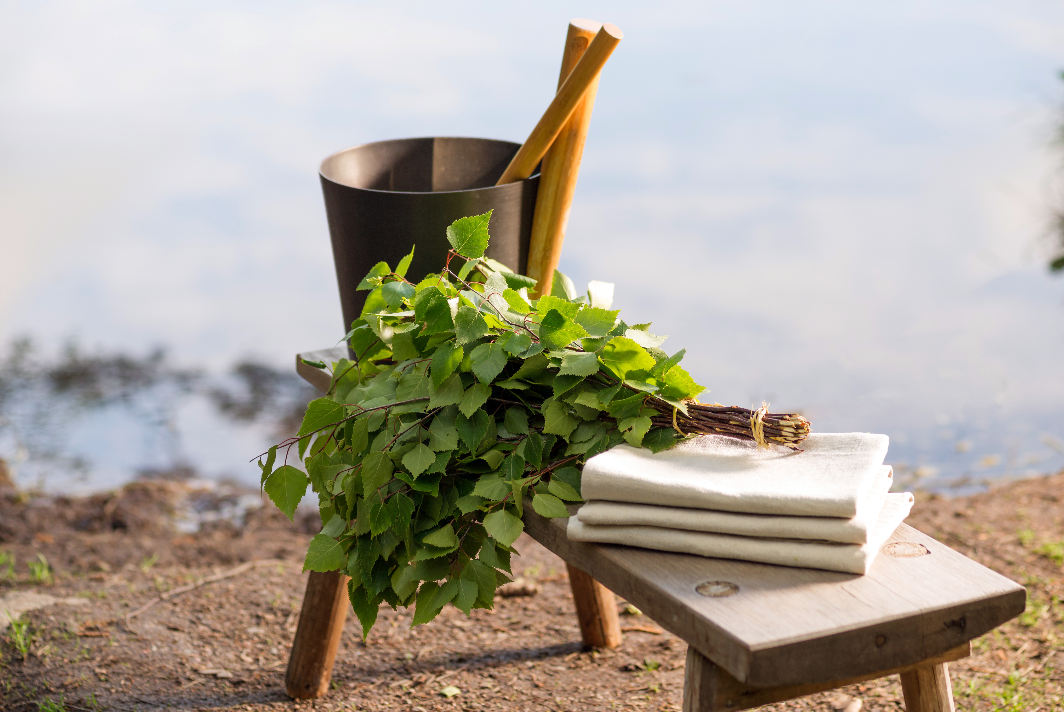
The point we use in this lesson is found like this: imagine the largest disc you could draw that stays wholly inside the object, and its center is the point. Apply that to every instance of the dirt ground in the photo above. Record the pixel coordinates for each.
(224, 644)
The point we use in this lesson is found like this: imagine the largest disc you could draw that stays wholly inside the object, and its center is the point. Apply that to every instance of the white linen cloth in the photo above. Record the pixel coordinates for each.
(848, 558)
(836, 529)
(830, 478)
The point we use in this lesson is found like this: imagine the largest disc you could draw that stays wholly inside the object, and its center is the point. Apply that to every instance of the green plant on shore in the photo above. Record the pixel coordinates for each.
(1054, 551)
(50, 705)
(463, 398)
(40, 570)
(7, 565)
(19, 636)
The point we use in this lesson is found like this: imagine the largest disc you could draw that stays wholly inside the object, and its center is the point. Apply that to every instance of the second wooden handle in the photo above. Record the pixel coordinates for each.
(561, 165)
(563, 105)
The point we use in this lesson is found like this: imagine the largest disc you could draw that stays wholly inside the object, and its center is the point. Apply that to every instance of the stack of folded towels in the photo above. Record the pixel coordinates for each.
(828, 507)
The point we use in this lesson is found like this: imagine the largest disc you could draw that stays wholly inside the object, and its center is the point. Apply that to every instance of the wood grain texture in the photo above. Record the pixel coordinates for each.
(321, 622)
(708, 687)
(596, 609)
(584, 74)
(928, 689)
(788, 626)
(561, 165)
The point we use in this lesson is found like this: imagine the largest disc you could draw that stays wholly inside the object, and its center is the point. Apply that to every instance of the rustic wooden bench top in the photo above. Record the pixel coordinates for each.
(773, 626)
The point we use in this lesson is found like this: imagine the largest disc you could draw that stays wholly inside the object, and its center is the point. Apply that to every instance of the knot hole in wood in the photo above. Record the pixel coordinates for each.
(717, 589)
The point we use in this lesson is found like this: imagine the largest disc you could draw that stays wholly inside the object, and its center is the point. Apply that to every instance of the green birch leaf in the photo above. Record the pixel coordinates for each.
(532, 367)
(488, 361)
(395, 292)
(469, 236)
(419, 459)
(491, 487)
(450, 393)
(563, 306)
(493, 457)
(630, 407)
(562, 286)
(659, 439)
(634, 429)
(563, 384)
(403, 347)
(475, 396)
(516, 420)
(644, 338)
(472, 429)
(432, 311)
(516, 302)
(286, 487)
(334, 527)
(531, 449)
(557, 331)
(513, 467)
(404, 581)
(321, 413)
(484, 574)
(267, 469)
(470, 503)
(365, 606)
(663, 366)
(517, 344)
(575, 363)
(519, 281)
(359, 436)
(373, 278)
(404, 264)
(558, 421)
(446, 594)
(414, 384)
(466, 596)
(377, 470)
(679, 385)
(324, 554)
(561, 490)
(424, 611)
(503, 526)
(375, 302)
(547, 505)
(597, 322)
(622, 355)
(444, 537)
(469, 325)
(444, 436)
(447, 358)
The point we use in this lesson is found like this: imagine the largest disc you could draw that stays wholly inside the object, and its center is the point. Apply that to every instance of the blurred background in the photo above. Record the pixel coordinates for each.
(844, 209)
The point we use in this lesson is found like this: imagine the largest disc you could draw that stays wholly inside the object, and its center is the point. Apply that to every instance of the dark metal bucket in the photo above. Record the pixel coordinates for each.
(381, 198)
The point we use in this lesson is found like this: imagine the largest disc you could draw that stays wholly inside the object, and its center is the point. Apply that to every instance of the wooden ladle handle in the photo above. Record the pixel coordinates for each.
(561, 165)
(564, 104)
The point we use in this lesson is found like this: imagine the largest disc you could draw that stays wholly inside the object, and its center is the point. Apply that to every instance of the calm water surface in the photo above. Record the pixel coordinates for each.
(841, 210)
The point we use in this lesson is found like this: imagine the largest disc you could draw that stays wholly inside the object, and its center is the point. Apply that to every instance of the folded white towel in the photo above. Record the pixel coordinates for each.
(829, 479)
(848, 558)
(772, 526)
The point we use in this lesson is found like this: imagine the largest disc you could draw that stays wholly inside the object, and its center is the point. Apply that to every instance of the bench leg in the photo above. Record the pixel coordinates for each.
(596, 609)
(928, 689)
(321, 621)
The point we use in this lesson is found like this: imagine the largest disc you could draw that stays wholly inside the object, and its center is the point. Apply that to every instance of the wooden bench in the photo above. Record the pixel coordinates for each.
(756, 633)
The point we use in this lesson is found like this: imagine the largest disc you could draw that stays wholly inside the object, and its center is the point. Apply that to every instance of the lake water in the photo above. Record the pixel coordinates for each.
(840, 209)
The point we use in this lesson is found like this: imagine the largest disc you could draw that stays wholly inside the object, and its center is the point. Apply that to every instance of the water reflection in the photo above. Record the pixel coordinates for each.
(77, 421)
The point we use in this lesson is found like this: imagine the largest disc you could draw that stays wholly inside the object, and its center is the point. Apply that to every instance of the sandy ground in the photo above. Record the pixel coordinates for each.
(224, 644)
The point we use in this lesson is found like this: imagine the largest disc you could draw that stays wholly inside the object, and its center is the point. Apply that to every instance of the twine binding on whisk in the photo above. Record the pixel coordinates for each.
(757, 425)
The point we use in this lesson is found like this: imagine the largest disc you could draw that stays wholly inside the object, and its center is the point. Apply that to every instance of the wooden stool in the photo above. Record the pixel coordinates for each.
(756, 633)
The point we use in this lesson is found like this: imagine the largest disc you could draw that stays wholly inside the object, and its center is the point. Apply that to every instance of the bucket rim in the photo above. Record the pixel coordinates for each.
(321, 167)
